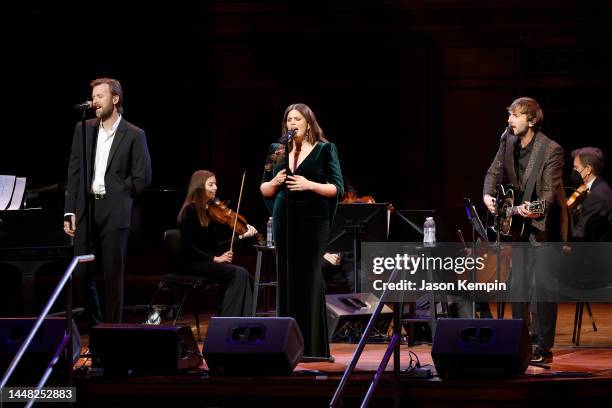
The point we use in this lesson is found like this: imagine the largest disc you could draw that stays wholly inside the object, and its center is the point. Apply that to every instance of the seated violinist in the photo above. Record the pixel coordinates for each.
(201, 235)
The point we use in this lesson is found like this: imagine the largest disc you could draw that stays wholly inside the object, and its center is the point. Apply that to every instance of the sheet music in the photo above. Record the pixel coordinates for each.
(7, 184)
(20, 184)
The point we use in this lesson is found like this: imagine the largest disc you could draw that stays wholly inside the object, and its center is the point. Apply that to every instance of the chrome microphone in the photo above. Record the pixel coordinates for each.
(289, 135)
(507, 132)
(83, 106)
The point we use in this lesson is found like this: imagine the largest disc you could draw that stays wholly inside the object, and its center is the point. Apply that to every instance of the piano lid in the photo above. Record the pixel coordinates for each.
(51, 196)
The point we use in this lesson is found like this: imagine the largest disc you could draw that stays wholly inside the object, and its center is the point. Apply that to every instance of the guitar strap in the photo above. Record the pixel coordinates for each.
(539, 166)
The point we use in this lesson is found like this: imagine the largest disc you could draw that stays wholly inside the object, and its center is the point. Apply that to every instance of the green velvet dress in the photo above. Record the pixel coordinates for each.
(301, 242)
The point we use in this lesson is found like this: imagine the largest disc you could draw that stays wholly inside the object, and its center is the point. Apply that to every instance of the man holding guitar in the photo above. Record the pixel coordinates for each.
(533, 164)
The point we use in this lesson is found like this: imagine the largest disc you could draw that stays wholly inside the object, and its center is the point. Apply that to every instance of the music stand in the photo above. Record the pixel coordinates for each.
(474, 219)
(477, 229)
(355, 223)
(406, 225)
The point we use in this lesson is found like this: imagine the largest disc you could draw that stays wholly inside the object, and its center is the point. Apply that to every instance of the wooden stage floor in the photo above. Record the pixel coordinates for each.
(578, 375)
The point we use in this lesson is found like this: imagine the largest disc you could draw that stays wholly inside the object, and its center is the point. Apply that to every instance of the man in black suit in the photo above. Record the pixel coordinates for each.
(118, 168)
(595, 222)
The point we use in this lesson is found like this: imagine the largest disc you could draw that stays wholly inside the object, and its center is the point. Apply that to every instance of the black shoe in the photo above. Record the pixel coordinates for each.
(541, 356)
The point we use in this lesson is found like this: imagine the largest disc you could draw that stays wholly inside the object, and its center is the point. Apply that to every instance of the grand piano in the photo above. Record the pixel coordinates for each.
(32, 236)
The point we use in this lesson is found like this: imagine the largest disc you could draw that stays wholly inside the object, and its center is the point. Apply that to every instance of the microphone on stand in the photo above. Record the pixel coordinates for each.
(288, 136)
(83, 106)
(507, 132)
(503, 142)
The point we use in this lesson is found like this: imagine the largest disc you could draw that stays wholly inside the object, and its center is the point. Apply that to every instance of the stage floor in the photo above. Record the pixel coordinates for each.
(580, 375)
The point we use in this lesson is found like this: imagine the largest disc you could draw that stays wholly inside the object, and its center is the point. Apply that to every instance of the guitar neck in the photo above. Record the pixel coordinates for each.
(534, 207)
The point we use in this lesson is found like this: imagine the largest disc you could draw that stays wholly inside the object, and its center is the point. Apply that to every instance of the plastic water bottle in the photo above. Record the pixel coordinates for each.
(269, 240)
(429, 232)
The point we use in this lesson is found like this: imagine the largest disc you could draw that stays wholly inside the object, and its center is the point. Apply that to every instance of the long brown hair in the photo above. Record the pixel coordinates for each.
(315, 133)
(196, 194)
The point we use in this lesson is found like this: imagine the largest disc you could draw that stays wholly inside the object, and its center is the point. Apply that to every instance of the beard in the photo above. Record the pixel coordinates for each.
(520, 133)
(104, 113)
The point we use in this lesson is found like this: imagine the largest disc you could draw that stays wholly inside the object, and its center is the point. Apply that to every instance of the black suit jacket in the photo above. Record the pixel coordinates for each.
(128, 171)
(548, 186)
(595, 223)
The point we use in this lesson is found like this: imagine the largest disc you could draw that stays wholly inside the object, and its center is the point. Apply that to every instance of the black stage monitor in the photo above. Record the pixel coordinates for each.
(481, 347)
(251, 346)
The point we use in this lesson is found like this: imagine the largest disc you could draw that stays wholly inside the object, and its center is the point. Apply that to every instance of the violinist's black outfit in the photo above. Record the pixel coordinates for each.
(199, 249)
(595, 222)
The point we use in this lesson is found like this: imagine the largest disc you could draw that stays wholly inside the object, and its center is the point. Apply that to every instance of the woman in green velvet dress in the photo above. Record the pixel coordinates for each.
(309, 191)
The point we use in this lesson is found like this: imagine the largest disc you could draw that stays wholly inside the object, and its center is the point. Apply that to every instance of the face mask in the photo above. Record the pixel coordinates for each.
(576, 178)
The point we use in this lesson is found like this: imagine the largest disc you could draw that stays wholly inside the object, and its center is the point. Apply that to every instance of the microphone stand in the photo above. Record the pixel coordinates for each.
(88, 220)
(86, 197)
(477, 228)
(287, 138)
(500, 179)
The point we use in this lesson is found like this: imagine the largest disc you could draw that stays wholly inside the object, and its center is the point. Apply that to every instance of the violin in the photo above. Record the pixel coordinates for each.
(220, 212)
(352, 197)
(575, 200)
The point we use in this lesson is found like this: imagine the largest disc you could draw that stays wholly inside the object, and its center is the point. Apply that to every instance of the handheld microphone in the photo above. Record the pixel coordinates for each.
(83, 106)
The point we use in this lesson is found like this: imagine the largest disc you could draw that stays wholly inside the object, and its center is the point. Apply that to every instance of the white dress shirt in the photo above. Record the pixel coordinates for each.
(590, 183)
(105, 141)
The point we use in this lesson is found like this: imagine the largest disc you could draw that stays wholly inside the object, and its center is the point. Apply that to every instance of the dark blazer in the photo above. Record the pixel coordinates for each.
(128, 171)
(548, 186)
(595, 223)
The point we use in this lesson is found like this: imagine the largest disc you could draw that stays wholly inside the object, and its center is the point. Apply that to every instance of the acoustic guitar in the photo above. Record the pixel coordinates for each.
(513, 226)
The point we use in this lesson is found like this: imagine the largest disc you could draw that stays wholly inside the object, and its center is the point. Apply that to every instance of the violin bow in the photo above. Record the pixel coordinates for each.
(237, 211)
